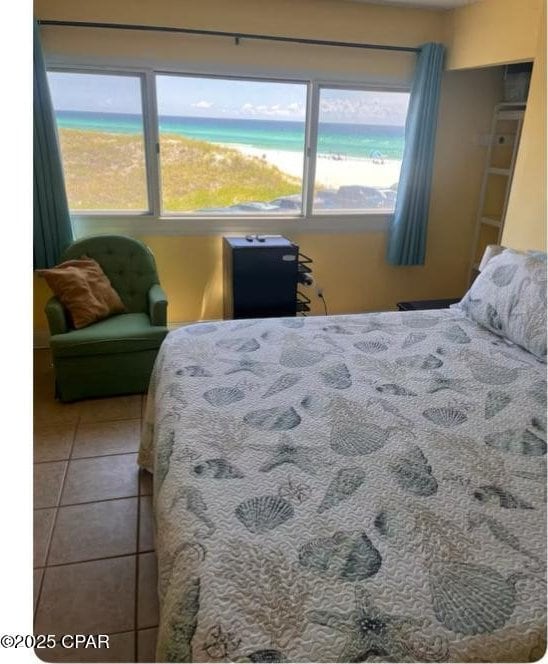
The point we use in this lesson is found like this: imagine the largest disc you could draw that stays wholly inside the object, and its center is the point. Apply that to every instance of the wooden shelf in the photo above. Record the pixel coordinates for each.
(502, 146)
(499, 171)
(510, 106)
(490, 221)
(510, 115)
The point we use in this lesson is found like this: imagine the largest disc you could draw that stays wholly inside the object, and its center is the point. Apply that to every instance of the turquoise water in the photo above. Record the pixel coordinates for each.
(351, 140)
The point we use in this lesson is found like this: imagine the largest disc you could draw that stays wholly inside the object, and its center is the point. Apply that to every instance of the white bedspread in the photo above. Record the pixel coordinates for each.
(357, 488)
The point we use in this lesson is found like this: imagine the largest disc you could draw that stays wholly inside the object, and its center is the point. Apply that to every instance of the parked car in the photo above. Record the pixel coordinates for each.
(291, 202)
(359, 197)
(389, 197)
(325, 199)
(254, 206)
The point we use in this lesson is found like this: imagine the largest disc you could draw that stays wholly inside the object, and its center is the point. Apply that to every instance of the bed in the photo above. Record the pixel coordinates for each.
(348, 488)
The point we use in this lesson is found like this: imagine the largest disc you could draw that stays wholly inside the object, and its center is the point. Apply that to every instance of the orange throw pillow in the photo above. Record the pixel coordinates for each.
(84, 289)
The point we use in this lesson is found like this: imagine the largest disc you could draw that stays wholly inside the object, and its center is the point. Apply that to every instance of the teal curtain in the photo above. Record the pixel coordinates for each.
(52, 228)
(407, 232)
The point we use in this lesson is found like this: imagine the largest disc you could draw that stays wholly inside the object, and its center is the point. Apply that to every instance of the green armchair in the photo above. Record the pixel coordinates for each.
(116, 355)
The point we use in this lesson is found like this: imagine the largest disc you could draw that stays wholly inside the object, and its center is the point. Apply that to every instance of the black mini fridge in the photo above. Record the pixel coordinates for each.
(259, 276)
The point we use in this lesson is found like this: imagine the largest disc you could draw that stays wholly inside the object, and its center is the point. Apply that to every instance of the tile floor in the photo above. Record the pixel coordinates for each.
(94, 561)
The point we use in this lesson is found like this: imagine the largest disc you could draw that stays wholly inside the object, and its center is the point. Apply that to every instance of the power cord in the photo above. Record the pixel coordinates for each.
(322, 298)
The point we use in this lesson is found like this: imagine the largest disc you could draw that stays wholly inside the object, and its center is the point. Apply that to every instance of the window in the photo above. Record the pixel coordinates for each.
(230, 146)
(359, 149)
(100, 125)
(218, 147)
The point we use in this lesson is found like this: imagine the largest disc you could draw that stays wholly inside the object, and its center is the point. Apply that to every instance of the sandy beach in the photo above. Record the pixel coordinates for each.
(331, 172)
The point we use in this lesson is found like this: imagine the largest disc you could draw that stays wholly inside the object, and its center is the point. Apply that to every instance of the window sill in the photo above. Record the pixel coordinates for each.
(145, 225)
(138, 225)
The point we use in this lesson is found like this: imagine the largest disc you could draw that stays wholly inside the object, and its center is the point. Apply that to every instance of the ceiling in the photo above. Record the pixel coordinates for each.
(424, 4)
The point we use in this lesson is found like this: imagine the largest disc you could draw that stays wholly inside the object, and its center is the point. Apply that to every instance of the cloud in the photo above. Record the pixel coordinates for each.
(203, 104)
(364, 107)
(293, 110)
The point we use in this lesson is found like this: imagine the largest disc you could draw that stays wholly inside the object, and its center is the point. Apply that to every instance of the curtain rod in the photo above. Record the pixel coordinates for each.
(234, 35)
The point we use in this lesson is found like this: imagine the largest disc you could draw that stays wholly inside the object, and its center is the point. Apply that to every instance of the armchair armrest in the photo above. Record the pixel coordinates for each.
(157, 305)
(57, 319)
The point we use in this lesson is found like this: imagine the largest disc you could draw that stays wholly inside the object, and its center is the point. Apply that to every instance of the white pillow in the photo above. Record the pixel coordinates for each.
(509, 298)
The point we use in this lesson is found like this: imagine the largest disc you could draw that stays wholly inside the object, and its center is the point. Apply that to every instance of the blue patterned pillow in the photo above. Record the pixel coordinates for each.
(509, 298)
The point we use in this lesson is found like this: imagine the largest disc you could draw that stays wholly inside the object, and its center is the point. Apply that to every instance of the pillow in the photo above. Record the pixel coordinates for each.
(509, 298)
(84, 289)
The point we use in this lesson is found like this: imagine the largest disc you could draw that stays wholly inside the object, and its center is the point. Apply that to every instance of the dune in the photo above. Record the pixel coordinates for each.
(106, 171)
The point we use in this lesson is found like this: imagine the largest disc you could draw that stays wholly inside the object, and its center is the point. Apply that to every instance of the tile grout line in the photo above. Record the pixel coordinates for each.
(97, 456)
(54, 523)
(96, 560)
(87, 502)
(108, 421)
(101, 456)
(88, 423)
(137, 560)
(103, 500)
(41, 585)
(128, 631)
(52, 423)
(137, 557)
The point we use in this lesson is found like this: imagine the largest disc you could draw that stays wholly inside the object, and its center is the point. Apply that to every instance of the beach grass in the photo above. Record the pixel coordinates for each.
(107, 171)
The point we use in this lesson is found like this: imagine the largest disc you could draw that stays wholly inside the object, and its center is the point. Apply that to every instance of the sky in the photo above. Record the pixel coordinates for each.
(224, 98)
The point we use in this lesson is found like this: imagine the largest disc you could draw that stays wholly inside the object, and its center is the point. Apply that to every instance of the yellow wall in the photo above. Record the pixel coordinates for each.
(350, 267)
(320, 19)
(525, 226)
(492, 32)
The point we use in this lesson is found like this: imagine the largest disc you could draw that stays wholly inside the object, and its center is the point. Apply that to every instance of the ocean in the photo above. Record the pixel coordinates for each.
(351, 140)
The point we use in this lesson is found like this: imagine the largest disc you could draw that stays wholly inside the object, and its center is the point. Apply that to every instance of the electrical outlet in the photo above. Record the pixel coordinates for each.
(319, 291)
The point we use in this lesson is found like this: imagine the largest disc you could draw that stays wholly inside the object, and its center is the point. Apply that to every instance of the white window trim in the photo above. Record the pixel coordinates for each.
(153, 222)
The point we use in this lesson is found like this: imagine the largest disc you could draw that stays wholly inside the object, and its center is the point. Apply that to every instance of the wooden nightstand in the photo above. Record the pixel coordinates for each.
(427, 304)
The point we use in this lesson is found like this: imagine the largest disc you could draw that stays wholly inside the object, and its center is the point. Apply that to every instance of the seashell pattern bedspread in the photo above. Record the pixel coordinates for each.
(348, 488)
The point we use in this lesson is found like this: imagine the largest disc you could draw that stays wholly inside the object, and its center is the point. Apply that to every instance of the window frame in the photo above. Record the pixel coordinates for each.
(155, 221)
(341, 86)
(191, 215)
(147, 147)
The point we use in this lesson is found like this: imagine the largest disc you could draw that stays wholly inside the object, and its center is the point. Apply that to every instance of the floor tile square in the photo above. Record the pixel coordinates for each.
(146, 524)
(94, 530)
(48, 480)
(88, 598)
(116, 437)
(146, 644)
(147, 591)
(114, 408)
(43, 523)
(53, 443)
(101, 478)
(121, 649)
(50, 412)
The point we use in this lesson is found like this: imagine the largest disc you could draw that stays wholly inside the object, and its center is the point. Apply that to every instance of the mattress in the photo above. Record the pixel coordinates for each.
(348, 488)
